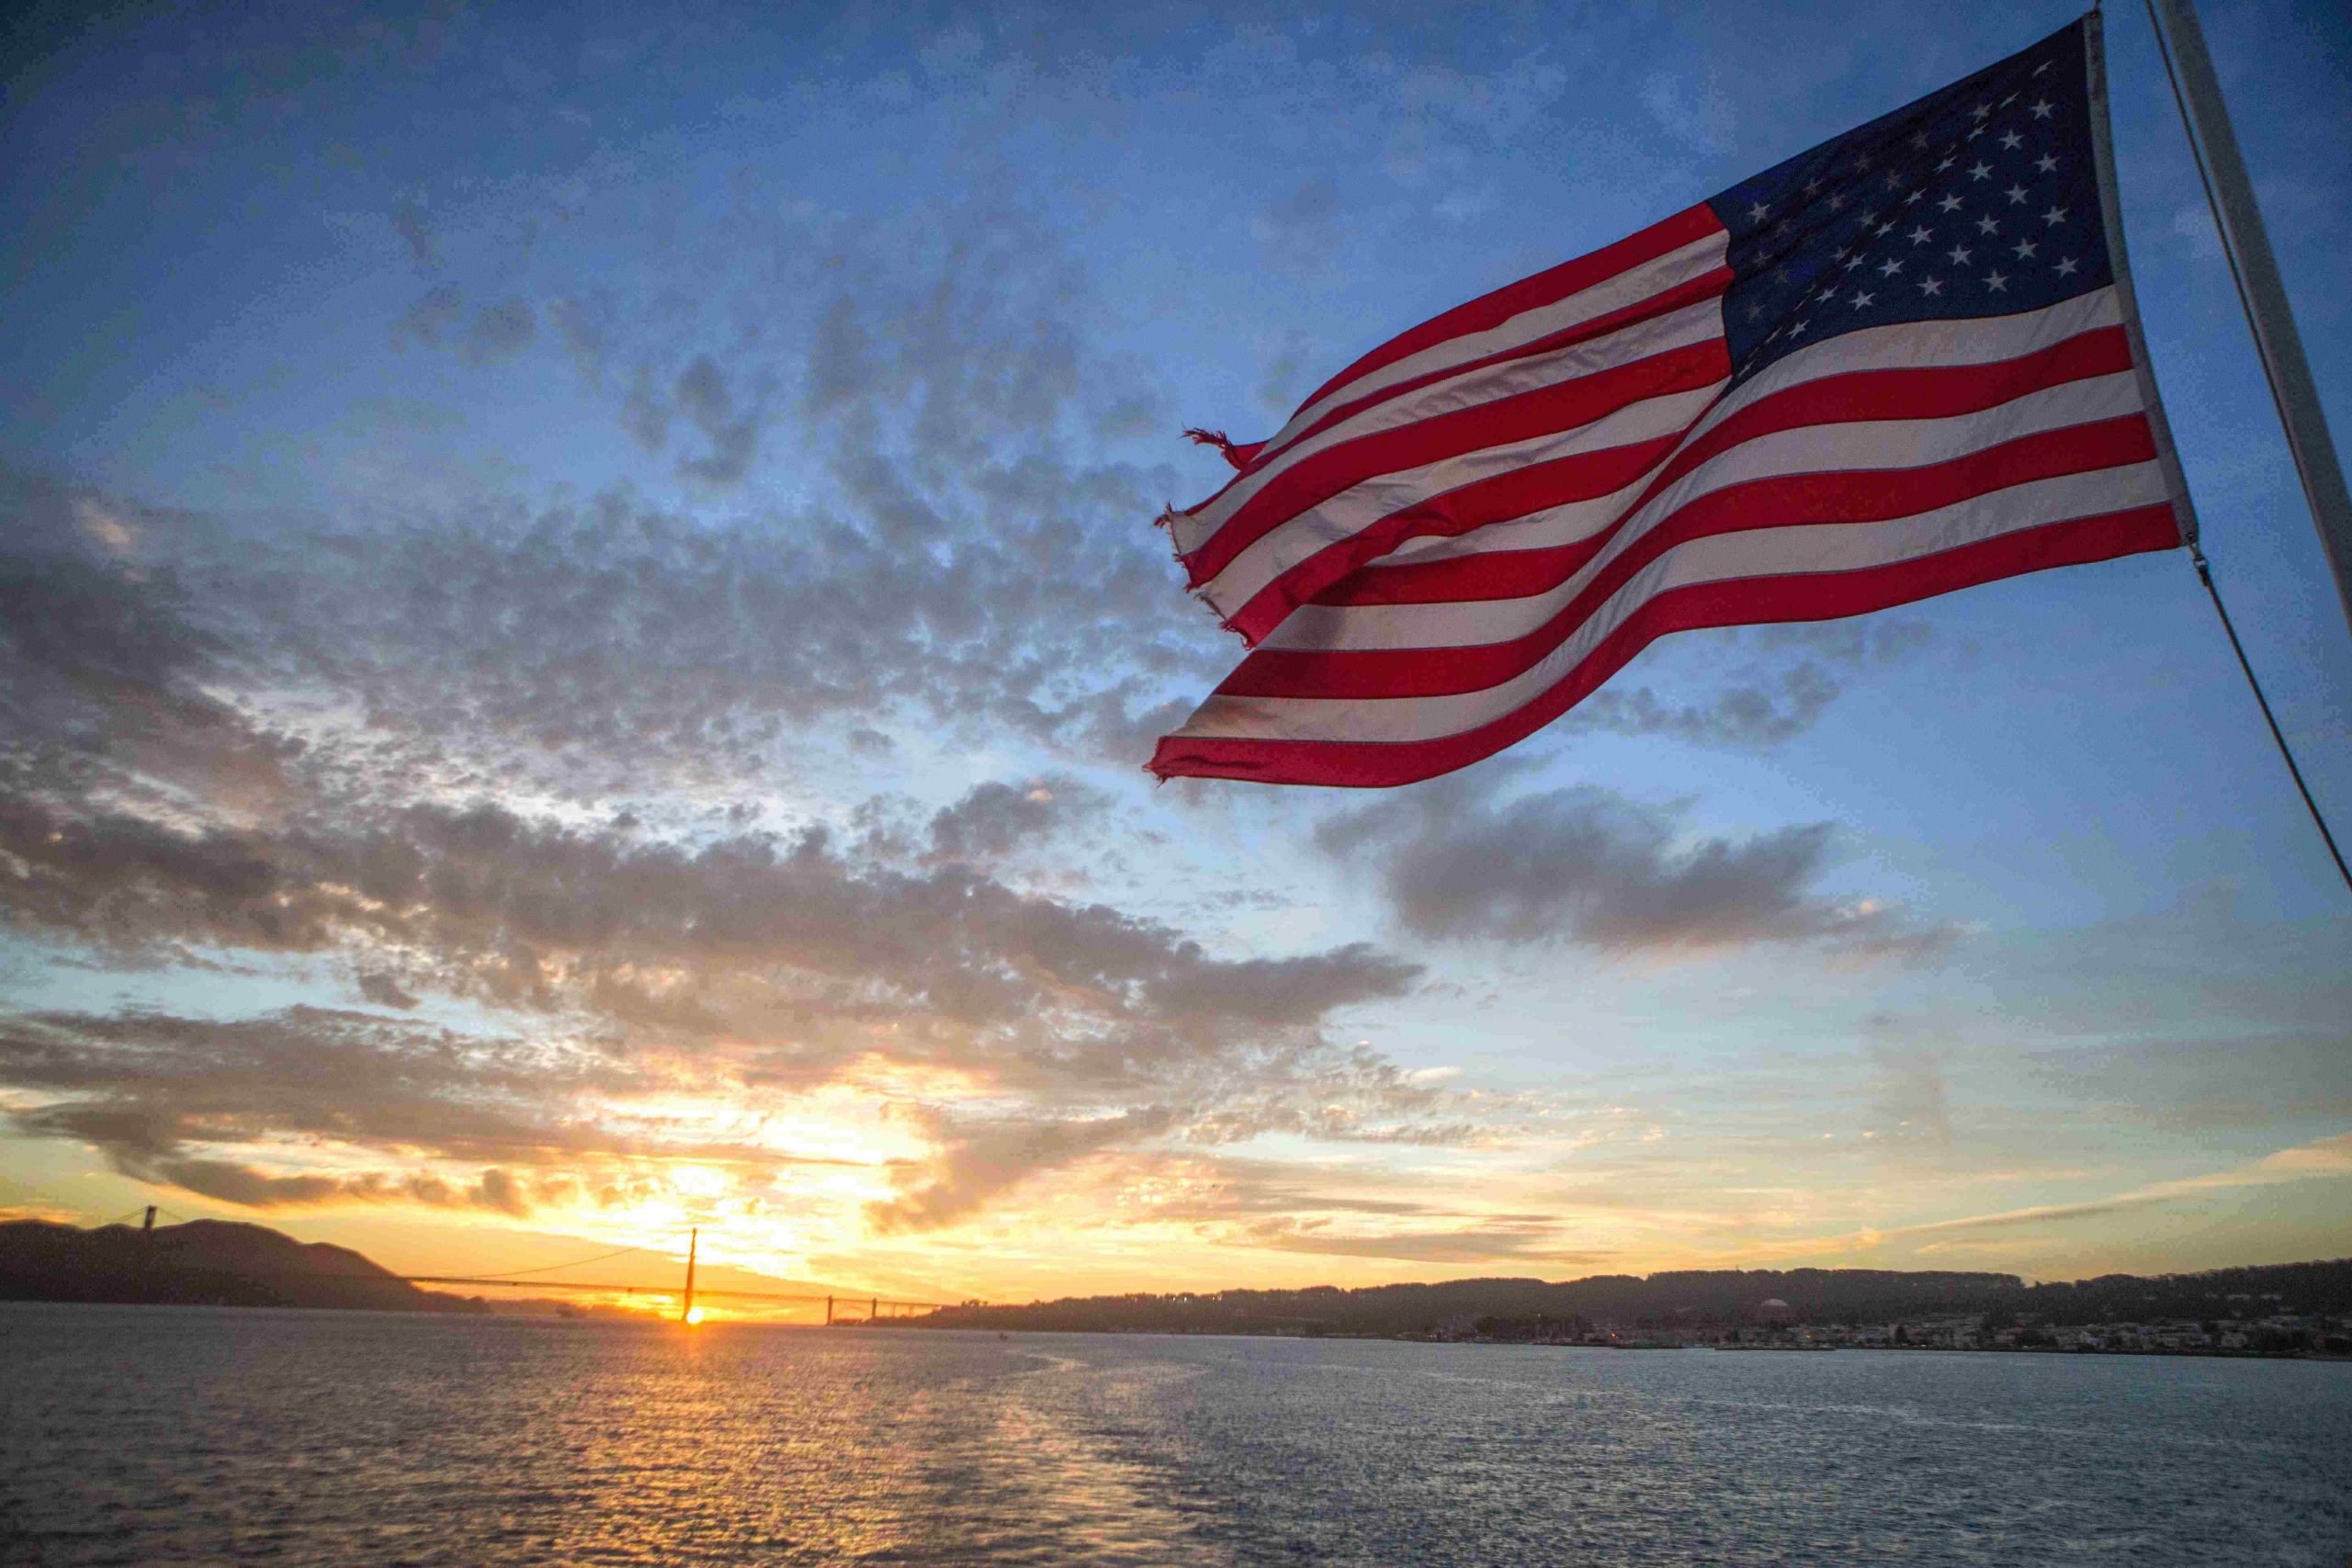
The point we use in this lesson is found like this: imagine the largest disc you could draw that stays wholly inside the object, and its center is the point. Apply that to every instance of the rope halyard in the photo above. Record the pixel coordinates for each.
(2205, 575)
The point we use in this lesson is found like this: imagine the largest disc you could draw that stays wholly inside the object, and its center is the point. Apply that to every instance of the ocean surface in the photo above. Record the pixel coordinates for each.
(163, 1434)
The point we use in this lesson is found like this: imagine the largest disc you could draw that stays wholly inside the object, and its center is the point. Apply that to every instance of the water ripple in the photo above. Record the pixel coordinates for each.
(151, 1435)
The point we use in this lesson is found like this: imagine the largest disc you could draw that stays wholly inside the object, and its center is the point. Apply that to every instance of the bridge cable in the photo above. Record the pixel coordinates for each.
(544, 1268)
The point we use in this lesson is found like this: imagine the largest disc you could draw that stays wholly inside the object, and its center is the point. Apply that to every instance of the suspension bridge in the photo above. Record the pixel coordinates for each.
(838, 1308)
(841, 1308)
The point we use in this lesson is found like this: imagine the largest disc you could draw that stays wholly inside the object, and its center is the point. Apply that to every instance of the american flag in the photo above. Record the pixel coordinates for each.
(1903, 363)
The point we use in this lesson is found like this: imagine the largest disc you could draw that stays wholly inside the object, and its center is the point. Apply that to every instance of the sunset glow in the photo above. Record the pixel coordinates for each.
(580, 639)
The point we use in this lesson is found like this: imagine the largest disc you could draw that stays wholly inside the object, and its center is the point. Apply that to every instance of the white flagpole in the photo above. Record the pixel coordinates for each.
(2247, 246)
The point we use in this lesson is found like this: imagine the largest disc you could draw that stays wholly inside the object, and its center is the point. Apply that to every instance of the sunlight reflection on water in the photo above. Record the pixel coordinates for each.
(142, 1435)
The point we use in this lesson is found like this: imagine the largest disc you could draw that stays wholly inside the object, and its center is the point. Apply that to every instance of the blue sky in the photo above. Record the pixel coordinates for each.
(553, 460)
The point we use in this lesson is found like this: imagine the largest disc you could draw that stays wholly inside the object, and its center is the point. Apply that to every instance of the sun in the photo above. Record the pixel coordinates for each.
(694, 1316)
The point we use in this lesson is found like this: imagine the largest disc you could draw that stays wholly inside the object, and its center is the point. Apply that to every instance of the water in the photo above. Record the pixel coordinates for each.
(133, 1435)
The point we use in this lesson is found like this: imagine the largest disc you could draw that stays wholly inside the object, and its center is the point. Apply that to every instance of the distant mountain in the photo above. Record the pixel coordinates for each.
(1513, 1308)
(204, 1262)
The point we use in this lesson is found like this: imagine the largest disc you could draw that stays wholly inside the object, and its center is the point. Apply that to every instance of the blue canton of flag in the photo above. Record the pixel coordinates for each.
(1978, 200)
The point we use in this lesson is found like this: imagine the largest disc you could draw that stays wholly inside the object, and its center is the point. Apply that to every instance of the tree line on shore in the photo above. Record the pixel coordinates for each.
(1682, 1298)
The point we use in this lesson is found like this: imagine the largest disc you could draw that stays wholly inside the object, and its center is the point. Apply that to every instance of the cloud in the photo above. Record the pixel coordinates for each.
(980, 1161)
(1583, 865)
(147, 1085)
(484, 903)
(701, 395)
(586, 325)
(2322, 1158)
(501, 331)
(311, 1106)
(1299, 231)
(384, 991)
(432, 321)
(1756, 702)
(747, 965)
(1531, 1242)
(1908, 1099)
(958, 554)
(1751, 714)
(106, 675)
(996, 818)
(1693, 111)
(410, 222)
(1284, 379)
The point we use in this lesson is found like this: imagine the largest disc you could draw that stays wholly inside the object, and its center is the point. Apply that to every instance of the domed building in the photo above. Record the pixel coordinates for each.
(1774, 1310)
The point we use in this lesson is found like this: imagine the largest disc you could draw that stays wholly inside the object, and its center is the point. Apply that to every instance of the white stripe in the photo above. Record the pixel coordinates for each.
(1636, 283)
(1301, 538)
(1814, 448)
(1941, 344)
(1905, 345)
(1696, 322)
(1766, 552)
(1547, 529)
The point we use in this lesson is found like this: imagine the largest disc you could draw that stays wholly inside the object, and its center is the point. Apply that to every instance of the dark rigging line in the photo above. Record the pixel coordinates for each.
(2205, 576)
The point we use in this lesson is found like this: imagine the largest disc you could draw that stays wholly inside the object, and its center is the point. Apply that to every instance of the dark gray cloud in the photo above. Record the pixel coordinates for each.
(384, 991)
(703, 397)
(483, 903)
(586, 324)
(1745, 713)
(433, 321)
(1455, 859)
(415, 231)
(152, 1091)
(645, 413)
(1284, 379)
(996, 818)
(1743, 693)
(106, 675)
(496, 331)
(501, 331)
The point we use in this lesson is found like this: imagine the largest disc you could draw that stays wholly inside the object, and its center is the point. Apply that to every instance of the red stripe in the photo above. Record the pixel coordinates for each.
(1925, 391)
(1858, 497)
(1922, 392)
(1490, 311)
(1706, 286)
(1542, 410)
(1578, 477)
(1547, 411)
(1747, 601)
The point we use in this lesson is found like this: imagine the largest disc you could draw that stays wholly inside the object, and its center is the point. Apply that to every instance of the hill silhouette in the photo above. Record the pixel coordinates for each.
(203, 1262)
(1680, 1298)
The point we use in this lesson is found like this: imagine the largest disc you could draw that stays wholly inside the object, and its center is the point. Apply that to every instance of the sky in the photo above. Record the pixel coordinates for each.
(579, 622)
